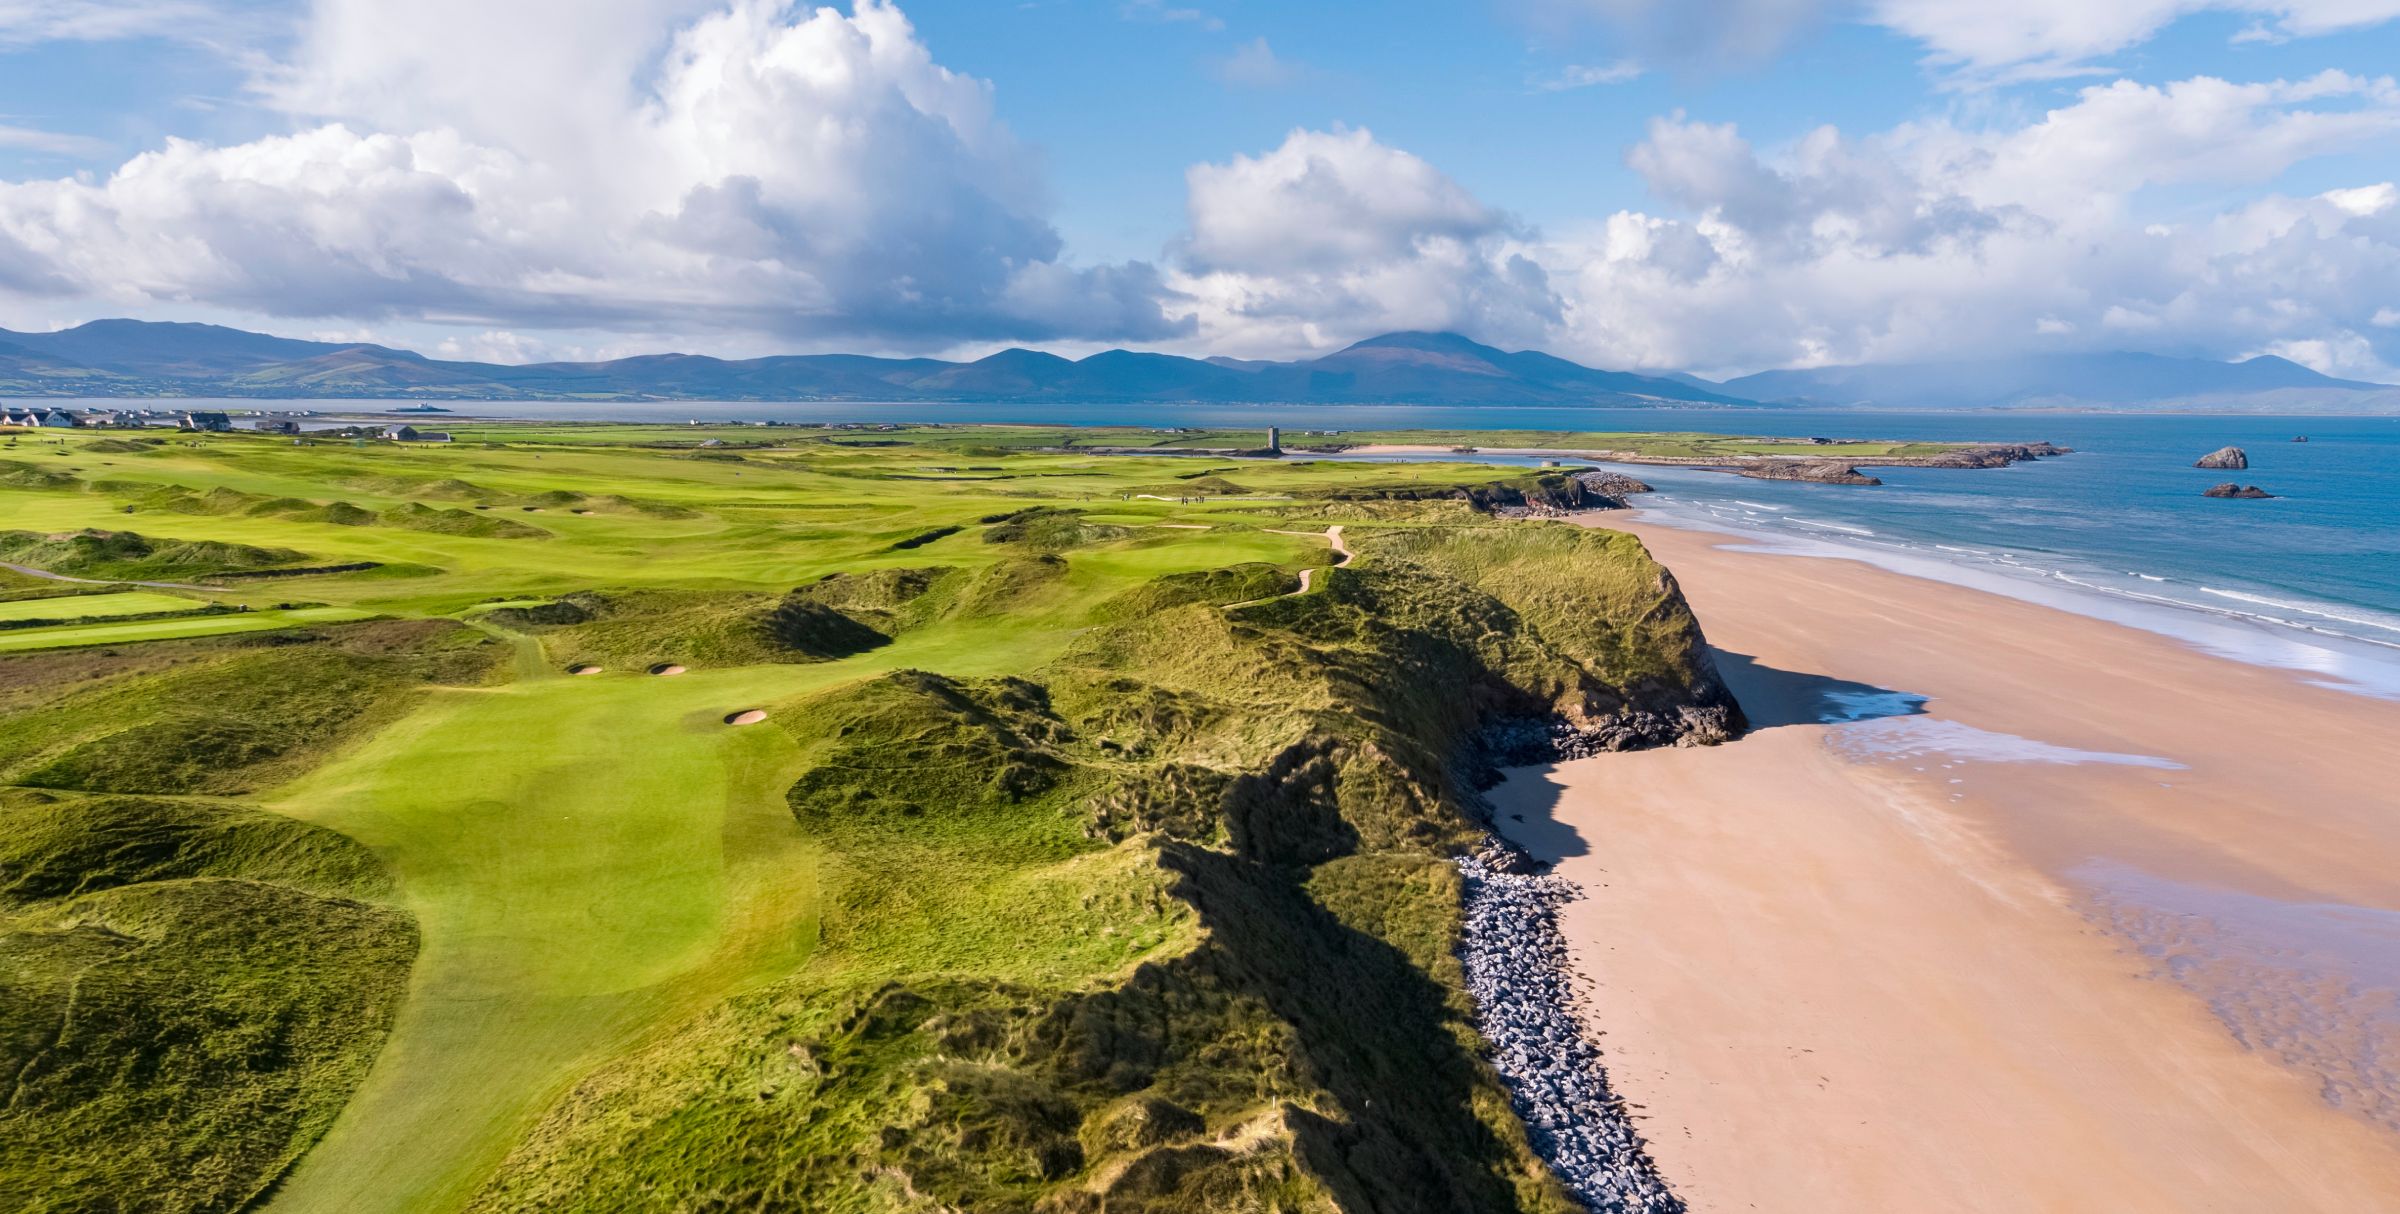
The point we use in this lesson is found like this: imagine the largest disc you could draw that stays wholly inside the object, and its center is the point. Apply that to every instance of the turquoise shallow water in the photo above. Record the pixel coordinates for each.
(2309, 581)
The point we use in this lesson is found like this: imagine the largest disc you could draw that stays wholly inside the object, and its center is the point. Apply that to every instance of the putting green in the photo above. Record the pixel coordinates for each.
(585, 857)
(66, 636)
(96, 606)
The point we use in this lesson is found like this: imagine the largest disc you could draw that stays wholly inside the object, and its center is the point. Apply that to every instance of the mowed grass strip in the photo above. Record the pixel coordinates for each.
(585, 857)
(96, 606)
(66, 636)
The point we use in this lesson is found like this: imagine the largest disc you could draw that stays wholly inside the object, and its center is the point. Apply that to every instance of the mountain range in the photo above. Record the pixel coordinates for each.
(141, 358)
(131, 358)
(2122, 380)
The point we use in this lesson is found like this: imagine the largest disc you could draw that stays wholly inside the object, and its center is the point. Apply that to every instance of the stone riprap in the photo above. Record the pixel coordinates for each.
(1518, 969)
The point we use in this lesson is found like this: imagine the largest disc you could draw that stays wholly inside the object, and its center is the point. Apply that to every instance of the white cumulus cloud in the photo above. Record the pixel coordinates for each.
(1925, 241)
(1332, 234)
(782, 171)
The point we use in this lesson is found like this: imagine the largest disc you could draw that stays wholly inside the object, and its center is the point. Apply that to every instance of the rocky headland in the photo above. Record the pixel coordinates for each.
(1815, 472)
(1610, 489)
(1519, 971)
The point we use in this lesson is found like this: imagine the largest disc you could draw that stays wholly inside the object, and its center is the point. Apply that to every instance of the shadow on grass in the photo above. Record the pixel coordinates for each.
(1372, 1030)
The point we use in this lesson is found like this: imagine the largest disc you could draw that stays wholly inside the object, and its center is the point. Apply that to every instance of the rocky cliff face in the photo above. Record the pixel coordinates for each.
(2225, 459)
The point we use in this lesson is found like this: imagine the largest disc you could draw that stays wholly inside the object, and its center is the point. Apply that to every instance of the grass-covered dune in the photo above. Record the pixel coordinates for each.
(1084, 861)
(189, 992)
(1163, 925)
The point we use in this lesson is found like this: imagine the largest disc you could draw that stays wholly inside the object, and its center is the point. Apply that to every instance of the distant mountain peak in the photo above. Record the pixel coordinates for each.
(2063, 380)
(123, 357)
(1422, 339)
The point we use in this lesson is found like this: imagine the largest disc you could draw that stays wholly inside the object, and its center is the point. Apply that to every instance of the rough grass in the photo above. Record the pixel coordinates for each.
(129, 556)
(1077, 868)
(1246, 999)
(233, 720)
(647, 628)
(188, 994)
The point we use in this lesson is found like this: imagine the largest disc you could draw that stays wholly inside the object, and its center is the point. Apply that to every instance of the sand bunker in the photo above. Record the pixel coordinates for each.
(583, 669)
(666, 668)
(748, 716)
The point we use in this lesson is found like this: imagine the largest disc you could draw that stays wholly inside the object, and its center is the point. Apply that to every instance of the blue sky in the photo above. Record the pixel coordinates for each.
(1714, 185)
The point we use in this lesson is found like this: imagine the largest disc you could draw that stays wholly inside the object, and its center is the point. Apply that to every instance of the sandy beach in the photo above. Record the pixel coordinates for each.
(1998, 908)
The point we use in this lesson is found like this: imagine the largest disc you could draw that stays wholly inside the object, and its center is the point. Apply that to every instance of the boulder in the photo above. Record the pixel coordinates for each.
(2229, 489)
(2225, 459)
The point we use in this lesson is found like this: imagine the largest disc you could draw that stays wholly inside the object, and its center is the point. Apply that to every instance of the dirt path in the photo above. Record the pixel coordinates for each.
(45, 574)
(1308, 577)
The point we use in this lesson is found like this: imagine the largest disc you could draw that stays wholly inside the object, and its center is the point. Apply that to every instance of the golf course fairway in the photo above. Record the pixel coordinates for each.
(1024, 827)
(567, 899)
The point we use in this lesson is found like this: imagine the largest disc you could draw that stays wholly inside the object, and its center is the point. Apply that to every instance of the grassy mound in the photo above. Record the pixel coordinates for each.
(15, 475)
(188, 994)
(1163, 926)
(1048, 529)
(129, 556)
(838, 616)
(889, 601)
(814, 630)
(640, 628)
(417, 516)
(1227, 586)
(227, 718)
(1200, 484)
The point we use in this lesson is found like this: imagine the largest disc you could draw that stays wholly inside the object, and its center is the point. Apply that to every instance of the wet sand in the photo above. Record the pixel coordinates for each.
(2064, 916)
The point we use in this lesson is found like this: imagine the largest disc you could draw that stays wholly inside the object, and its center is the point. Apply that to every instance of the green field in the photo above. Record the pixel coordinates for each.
(96, 606)
(128, 631)
(1072, 836)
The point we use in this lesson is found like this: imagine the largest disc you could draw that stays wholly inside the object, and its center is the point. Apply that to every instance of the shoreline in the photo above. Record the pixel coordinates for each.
(2293, 635)
(1998, 907)
(1977, 455)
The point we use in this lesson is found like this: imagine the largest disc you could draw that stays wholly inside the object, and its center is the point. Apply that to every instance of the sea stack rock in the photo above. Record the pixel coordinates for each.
(2229, 489)
(2302, 438)
(2225, 459)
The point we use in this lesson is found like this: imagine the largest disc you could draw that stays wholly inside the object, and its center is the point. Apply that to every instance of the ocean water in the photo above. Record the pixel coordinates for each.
(2309, 581)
